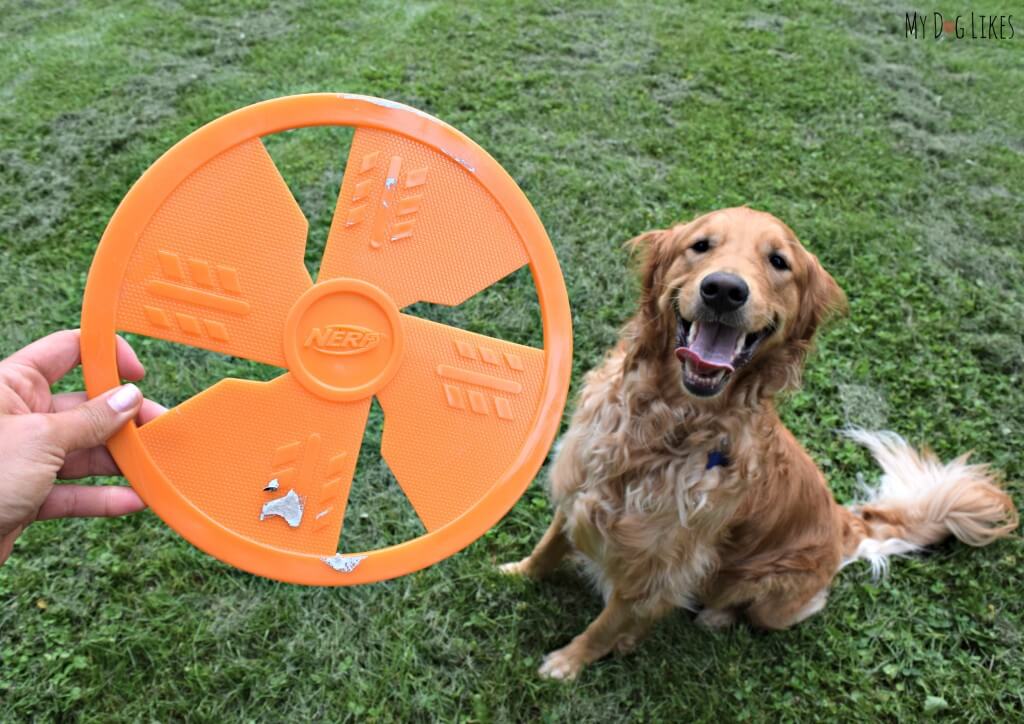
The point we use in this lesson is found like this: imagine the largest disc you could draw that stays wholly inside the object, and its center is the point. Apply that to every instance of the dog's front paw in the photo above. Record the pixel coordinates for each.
(626, 644)
(563, 665)
(716, 618)
(516, 568)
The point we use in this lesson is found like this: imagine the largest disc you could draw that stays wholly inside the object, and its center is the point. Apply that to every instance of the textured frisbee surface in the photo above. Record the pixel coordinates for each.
(207, 250)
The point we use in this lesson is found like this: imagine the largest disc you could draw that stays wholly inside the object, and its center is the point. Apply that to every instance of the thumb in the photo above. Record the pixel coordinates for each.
(92, 422)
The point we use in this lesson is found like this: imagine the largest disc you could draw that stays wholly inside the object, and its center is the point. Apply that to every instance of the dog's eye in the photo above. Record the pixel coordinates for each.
(701, 245)
(778, 261)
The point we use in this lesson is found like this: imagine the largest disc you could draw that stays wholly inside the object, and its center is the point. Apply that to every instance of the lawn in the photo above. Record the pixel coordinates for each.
(898, 161)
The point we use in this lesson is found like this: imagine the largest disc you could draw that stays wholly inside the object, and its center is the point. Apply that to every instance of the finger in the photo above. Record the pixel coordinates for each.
(69, 400)
(7, 542)
(56, 354)
(91, 461)
(52, 356)
(91, 423)
(95, 460)
(149, 411)
(80, 501)
(128, 365)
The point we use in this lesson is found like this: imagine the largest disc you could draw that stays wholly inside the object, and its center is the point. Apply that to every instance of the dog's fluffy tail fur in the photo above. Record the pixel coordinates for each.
(920, 501)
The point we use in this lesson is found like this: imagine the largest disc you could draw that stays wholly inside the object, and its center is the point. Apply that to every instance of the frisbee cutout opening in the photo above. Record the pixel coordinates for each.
(177, 372)
(312, 162)
(508, 310)
(378, 514)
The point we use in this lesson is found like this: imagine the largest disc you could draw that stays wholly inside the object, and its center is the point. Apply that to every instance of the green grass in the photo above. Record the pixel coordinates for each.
(899, 162)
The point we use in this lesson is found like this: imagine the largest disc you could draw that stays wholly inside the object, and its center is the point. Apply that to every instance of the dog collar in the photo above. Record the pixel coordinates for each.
(716, 458)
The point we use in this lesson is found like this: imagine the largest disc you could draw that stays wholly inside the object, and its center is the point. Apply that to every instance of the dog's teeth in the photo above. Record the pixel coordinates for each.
(739, 344)
(693, 332)
(703, 380)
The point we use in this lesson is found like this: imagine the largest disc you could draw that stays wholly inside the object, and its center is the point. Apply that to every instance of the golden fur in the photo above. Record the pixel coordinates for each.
(761, 536)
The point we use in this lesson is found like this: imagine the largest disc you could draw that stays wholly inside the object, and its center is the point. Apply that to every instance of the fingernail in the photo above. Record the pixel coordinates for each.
(125, 398)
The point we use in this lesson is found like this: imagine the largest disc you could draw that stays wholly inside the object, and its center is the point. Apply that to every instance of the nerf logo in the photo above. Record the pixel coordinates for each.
(342, 339)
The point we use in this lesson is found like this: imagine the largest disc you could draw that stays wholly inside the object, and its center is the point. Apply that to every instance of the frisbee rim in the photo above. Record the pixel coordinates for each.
(99, 313)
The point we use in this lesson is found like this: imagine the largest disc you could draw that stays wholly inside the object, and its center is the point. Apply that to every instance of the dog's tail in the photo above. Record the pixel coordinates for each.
(920, 501)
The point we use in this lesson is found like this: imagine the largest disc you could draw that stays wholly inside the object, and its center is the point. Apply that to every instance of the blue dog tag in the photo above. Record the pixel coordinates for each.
(716, 458)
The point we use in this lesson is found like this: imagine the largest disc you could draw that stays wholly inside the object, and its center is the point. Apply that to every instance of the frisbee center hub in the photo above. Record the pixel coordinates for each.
(343, 339)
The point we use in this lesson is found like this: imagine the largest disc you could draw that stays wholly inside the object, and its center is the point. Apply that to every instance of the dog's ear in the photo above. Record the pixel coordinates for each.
(649, 248)
(646, 332)
(821, 300)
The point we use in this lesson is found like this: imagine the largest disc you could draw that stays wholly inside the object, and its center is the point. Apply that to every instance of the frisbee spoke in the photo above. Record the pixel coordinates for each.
(417, 222)
(457, 415)
(240, 445)
(221, 262)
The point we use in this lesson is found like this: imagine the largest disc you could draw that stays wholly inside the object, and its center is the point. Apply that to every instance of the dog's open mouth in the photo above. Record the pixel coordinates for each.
(712, 351)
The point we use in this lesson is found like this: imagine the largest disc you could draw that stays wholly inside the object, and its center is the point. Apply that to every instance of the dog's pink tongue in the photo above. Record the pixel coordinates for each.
(712, 347)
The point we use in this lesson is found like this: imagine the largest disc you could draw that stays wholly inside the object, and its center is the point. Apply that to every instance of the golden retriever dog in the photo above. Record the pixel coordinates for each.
(677, 483)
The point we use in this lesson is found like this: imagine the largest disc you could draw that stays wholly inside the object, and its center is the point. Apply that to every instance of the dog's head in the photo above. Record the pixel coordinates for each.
(730, 295)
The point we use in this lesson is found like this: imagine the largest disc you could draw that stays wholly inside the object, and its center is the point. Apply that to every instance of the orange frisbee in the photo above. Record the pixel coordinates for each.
(207, 250)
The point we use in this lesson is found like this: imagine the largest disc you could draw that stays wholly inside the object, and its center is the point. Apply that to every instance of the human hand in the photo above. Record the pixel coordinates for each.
(44, 436)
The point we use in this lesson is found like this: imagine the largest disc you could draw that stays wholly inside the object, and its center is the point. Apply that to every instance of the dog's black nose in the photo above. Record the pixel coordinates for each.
(724, 292)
